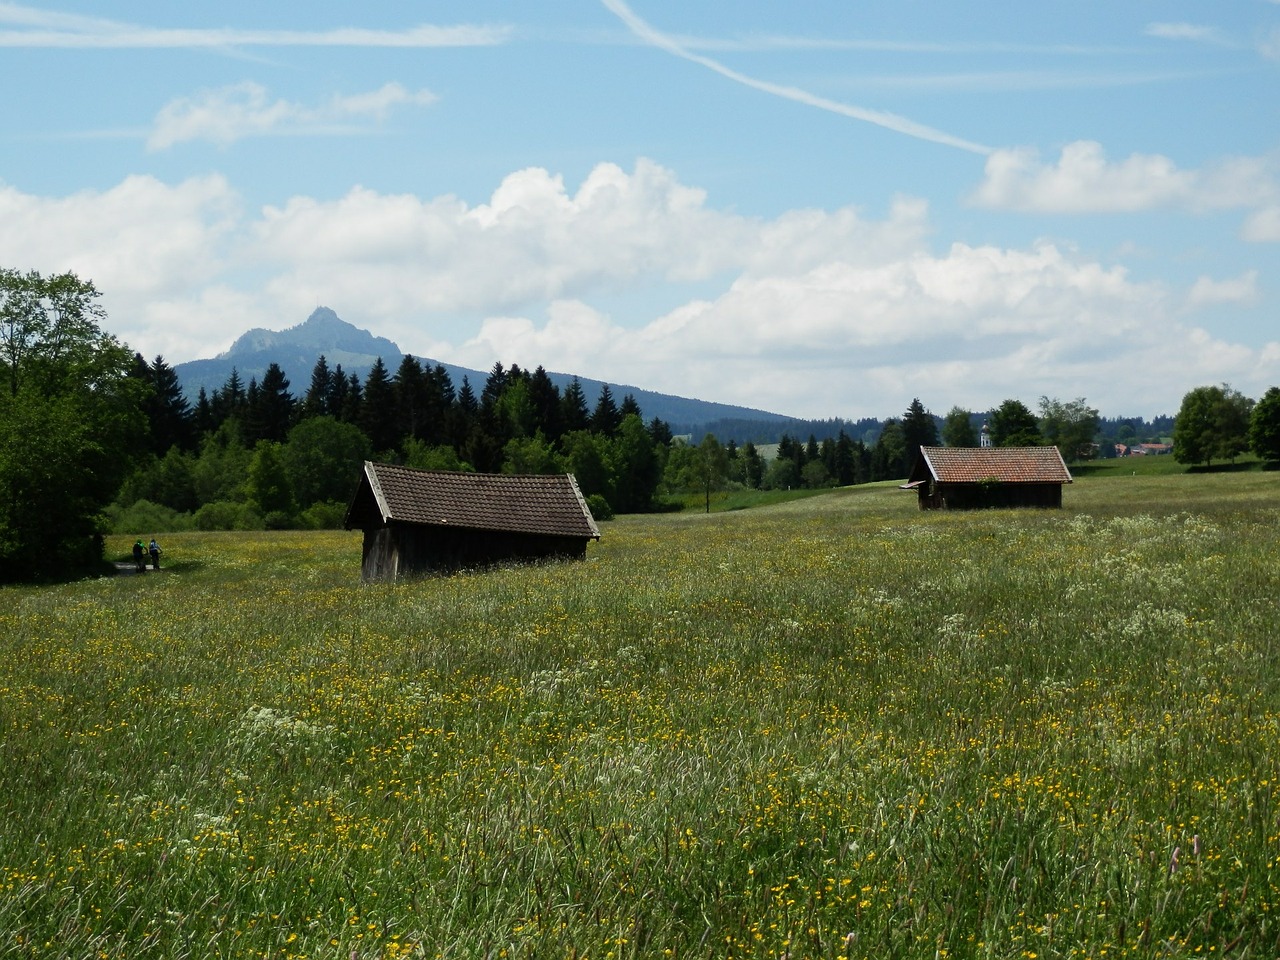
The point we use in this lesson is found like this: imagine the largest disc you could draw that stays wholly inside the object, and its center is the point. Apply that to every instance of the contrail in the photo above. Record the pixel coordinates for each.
(890, 121)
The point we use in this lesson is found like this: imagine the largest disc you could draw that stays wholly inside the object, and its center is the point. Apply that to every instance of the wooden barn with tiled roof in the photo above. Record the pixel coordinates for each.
(960, 478)
(417, 521)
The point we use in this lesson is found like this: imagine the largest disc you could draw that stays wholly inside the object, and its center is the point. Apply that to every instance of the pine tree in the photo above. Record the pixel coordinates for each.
(316, 401)
(846, 467)
(574, 407)
(410, 403)
(377, 414)
(229, 400)
(273, 415)
(203, 419)
(493, 385)
(171, 415)
(661, 433)
(918, 430)
(606, 419)
(463, 415)
(335, 399)
(545, 399)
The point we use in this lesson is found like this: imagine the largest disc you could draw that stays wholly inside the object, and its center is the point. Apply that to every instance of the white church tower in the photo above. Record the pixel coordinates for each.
(984, 436)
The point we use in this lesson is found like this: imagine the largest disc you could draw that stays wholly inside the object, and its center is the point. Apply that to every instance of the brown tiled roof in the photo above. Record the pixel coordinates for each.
(550, 504)
(1006, 464)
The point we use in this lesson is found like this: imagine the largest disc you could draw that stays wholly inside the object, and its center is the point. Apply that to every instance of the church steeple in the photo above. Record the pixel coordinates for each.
(984, 436)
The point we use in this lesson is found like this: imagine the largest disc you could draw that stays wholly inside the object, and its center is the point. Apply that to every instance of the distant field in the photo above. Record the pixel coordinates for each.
(829, 727)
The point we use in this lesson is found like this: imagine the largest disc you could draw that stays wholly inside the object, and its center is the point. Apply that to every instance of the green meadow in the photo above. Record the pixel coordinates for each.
(830, 727)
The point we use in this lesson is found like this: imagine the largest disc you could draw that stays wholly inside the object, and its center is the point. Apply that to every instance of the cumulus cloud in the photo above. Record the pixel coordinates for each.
(1241, 289)
(534, 241)
(1263, 226)
(815, 312)
(1084, 180)
(972, 326)
(228, 114)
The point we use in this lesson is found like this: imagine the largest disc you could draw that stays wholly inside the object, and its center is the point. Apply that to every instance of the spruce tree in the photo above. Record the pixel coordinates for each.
(410, 403)
(918, 430)
(275, 409)
(171, 415)
(574, 407)
(316, 401)
(377, 413)
(606, 419)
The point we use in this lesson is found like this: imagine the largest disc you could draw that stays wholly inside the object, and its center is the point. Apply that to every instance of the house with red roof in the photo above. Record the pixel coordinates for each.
(960, 478)
(420, 521)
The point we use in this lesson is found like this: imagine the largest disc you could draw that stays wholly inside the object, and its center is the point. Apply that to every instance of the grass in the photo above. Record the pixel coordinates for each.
(830, 727)
(742, 499)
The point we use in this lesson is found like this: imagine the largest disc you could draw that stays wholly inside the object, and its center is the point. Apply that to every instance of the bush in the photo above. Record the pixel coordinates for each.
(228, 515)
(599, 507)
(147, 516)
(327, 515)
(276, 520)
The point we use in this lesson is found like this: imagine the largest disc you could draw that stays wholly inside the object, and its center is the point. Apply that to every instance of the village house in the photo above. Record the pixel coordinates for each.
(418, 521)
(960, 478)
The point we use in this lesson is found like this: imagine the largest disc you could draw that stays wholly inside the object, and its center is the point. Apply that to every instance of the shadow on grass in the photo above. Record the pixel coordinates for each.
(1243, 467)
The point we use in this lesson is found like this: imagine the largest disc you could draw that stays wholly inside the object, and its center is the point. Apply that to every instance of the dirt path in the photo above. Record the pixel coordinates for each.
(129, 568)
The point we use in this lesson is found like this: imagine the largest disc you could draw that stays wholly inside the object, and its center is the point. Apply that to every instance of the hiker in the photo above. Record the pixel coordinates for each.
(139, 556)
(154, 550)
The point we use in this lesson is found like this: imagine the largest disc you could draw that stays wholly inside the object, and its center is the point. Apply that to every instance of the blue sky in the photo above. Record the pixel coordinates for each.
(819, 209)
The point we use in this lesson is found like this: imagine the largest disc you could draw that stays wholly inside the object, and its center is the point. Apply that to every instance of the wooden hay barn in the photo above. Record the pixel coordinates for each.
(419, 521)
(965, 478)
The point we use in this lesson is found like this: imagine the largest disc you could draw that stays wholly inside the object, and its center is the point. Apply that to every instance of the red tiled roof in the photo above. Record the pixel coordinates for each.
(1006, 464)
(550, 504)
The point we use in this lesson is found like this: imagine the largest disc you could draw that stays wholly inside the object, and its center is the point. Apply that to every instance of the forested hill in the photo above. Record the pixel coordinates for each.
(324, 333)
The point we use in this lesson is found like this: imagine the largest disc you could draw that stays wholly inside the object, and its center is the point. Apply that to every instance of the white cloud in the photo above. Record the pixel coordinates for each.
(1084, 180)
(814, 312)
(141, 238)
(51, 28)
(1269, 44)
(228, 114)
(1241, 289)
(1198, 33)
(1263, 226)
(535, 242)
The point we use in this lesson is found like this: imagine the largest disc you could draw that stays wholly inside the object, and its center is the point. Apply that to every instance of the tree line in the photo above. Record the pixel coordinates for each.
(257, 455)
(94, 437)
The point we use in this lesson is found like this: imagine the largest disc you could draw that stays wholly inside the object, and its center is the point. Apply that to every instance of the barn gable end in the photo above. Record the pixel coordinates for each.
(417, 521)
(958, 478)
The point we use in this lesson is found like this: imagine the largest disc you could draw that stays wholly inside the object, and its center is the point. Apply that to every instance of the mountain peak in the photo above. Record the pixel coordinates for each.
(324, 317)
(324, 332)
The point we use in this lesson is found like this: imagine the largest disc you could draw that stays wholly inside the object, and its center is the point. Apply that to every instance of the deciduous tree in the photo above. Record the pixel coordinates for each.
(1071, 427)
(1264, 426)
(957, 429)
(1013, 425)
(71, 423)
(1212, 423)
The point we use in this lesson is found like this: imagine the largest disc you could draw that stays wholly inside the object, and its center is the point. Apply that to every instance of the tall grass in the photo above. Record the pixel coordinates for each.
(835, 727)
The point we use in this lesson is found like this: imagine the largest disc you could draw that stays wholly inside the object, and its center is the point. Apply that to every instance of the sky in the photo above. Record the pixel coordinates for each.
(820, 209)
